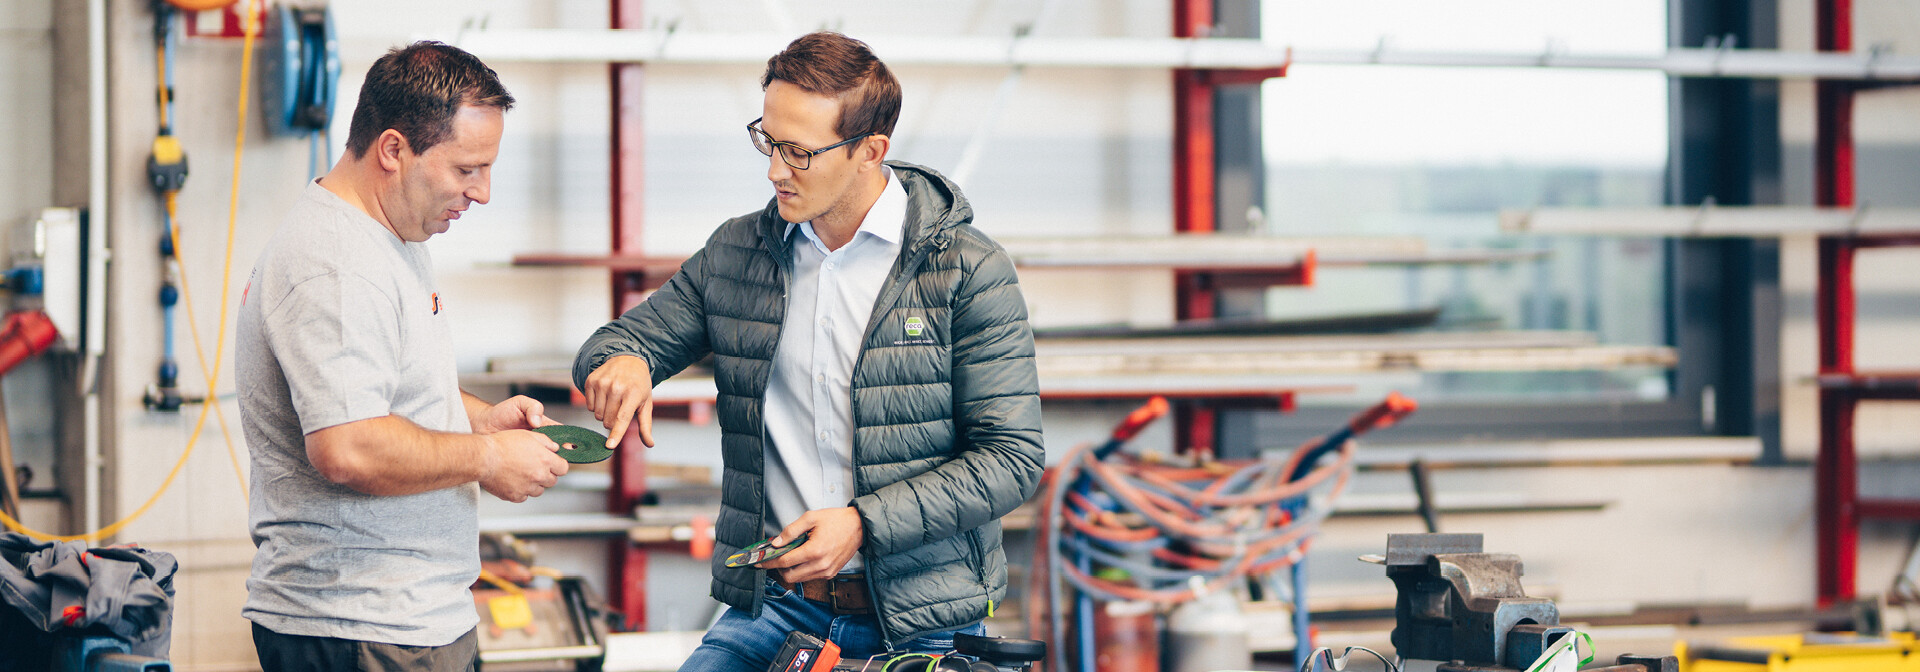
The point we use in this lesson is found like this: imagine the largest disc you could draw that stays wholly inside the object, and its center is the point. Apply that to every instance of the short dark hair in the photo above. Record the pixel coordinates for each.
(831, 64)
(417, 90)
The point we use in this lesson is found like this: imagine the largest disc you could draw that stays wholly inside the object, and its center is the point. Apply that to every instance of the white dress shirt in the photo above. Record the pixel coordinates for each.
(809, 409)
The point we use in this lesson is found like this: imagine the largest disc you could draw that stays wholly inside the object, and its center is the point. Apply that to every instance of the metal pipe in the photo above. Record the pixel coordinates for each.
(1711, 221)
(1302, 621)
(662, 46)
(94, 341)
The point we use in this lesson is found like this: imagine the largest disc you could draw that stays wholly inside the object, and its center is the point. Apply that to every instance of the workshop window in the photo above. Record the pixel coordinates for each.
(1436, 152)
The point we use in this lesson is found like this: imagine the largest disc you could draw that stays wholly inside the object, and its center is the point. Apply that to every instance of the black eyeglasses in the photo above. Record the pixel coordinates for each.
(795, 155)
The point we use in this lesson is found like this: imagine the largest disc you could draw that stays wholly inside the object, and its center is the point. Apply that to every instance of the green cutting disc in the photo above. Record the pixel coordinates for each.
(578, 445)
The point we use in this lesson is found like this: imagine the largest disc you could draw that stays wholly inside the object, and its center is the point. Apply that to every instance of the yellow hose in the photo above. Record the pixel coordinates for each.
(212, 400)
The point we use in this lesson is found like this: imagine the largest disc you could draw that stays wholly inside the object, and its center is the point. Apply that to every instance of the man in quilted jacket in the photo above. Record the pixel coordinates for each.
(877, 391)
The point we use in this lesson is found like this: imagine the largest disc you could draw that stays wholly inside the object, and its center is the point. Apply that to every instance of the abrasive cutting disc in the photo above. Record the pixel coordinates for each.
(578, 445)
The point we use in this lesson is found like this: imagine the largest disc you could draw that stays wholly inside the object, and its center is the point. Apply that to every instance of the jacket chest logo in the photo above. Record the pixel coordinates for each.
(915, 331)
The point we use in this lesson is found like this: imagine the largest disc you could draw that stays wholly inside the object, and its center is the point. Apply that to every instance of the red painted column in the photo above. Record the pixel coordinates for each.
(1193, 162)
(1838, 532)
(1193, 203)
(628, 161)
(627, 562)
(1836, 472)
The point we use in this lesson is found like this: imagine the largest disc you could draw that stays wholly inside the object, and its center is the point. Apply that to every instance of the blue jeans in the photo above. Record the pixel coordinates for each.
(741, 643)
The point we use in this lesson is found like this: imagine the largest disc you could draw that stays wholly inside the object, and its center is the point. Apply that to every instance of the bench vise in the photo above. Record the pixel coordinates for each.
(1465, 607)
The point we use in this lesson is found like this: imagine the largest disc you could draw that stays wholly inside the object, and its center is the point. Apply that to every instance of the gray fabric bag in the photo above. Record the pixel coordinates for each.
(64, 587)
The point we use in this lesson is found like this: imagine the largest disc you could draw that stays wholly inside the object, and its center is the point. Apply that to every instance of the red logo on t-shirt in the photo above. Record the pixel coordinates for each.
(436, 303)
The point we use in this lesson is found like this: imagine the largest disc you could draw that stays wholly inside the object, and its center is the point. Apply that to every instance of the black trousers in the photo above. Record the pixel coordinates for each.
(296, 653)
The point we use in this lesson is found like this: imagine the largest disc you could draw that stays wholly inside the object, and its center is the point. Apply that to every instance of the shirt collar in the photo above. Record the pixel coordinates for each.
(886, 220)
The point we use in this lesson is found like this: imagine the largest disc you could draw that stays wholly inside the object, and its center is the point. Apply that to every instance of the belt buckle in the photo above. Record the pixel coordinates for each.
(833, 594)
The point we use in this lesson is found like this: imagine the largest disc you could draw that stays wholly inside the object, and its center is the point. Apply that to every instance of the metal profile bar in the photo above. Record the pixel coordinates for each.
(1195, 249)
(1164, 356)
(1230, 358)
(667, 46)
(1164, 251)
(568, 524)
(1589, 358)
(1709, 221)
(1565, 452)
(1282, 398)
(1426, 340)
(615, 262)
(1434, 258)
(1222, 367)
(1728, 63)
(1873, 385)
(1222, 252)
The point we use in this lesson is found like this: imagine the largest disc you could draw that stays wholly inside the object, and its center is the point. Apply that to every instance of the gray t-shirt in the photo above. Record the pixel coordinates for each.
(341, 322)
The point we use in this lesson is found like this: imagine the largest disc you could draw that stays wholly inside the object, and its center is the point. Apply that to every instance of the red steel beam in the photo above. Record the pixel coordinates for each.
(1194, 427)
(1836, 474)
(1887, 240)
(1833, 143)
(1890, 509)
(1193, 182)
(1836, 493)
(1195, 176)
(628, 159)
(627, 563)
(1195, 296)
(1193, 157)
(1193, 133)
(1834, 305)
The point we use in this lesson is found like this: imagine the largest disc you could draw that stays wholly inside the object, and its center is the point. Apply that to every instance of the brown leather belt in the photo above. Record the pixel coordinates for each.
(846, 593)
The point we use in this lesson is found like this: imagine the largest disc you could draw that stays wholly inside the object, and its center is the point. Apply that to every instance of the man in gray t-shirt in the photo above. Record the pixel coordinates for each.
(367, 457)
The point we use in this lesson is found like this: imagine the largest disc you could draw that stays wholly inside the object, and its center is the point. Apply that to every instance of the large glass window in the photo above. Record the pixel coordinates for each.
(1436, 152)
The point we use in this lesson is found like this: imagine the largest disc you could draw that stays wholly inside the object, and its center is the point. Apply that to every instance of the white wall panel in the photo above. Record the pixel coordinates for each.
(26, 126)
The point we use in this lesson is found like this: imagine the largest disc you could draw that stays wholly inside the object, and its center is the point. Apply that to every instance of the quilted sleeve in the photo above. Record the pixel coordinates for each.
(669, 329)
(996, 402)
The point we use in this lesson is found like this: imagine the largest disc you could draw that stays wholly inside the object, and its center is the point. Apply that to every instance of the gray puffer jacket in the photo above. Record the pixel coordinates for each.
(946, 409)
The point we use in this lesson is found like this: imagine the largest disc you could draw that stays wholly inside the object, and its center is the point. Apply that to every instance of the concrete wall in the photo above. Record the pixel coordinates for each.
(26, 74)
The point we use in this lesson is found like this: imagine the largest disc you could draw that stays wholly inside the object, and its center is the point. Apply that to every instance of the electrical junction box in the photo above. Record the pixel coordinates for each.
(49, 253)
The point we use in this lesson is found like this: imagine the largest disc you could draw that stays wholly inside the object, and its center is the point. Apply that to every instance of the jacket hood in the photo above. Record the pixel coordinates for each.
(935, 205)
